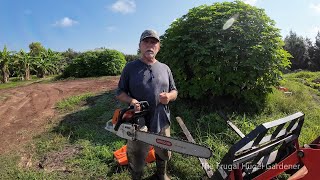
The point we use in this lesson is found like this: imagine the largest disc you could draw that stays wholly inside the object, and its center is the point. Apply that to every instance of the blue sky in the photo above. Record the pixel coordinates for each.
(117, 24)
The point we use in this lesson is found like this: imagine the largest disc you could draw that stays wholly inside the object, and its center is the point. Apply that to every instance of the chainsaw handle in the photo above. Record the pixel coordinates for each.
(120, 118)
(144, 105)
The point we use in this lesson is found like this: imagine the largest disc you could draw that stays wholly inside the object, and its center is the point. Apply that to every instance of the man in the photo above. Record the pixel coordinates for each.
(147, 79)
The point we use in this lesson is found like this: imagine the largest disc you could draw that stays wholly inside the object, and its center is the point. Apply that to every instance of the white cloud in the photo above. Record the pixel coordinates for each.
(251, 2)
(315, 7)
(124, 6)
(111, 28)
(65, 22)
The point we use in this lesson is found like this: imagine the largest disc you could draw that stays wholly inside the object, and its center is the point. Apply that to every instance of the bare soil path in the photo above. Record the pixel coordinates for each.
(25, 111)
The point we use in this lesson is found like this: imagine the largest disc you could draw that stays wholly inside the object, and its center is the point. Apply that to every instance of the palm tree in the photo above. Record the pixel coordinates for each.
(4, 61)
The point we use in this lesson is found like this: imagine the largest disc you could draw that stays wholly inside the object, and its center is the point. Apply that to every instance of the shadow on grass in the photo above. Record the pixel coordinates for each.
(88, 123)
(85, 127)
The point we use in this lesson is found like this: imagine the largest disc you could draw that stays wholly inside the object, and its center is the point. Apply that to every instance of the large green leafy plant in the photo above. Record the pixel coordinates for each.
(241, 62)
(96, 63)
(5, 58)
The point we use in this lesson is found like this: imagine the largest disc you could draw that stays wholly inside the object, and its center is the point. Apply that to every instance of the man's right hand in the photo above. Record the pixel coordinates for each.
(135, 103)
(123, 97)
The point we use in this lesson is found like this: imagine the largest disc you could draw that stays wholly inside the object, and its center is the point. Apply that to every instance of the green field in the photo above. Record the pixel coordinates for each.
(16, 82)
(76, 146)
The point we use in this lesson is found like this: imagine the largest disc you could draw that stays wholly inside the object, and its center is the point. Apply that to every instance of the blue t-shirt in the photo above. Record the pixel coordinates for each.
(145, 82)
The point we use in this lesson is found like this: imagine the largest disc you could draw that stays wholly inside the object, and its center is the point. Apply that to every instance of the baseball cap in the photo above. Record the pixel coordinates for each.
(149, 33)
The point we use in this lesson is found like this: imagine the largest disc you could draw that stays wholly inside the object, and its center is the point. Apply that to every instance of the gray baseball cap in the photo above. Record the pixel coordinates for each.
(149, 33)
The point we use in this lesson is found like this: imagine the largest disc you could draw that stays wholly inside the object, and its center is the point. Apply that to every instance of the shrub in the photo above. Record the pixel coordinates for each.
(104, 62)
(241, 62)
(130, 57)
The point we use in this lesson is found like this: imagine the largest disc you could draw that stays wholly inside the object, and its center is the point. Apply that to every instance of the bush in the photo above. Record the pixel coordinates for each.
(104, 62)
(130, 57)
(241, 62)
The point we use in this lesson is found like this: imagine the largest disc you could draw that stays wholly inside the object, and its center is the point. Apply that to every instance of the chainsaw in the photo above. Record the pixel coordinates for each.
(131, 125)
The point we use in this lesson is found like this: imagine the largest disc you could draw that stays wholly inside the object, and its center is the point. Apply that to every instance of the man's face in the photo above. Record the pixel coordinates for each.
(149, 48)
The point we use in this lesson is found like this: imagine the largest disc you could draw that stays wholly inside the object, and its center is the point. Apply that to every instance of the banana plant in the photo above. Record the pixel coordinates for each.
(5, 57)
(46, 63)
(22, 63)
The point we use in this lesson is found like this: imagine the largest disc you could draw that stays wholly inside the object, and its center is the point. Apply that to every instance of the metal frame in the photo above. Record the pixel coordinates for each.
(258, 150)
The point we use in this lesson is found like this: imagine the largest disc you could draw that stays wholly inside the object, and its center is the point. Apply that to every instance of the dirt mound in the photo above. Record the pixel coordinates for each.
(25, 111)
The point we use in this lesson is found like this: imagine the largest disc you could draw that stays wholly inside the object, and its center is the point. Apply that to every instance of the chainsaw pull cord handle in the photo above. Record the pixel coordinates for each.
(120, 119)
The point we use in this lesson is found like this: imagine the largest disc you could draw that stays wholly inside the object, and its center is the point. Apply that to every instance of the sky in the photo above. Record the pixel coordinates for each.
(84, 25)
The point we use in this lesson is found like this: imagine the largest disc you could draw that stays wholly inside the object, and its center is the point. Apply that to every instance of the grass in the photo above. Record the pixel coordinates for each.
(72, 103)
(15, 82)
(85, 149)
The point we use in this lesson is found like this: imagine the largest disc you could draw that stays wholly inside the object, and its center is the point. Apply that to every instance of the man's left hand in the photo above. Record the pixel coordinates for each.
(164, 98)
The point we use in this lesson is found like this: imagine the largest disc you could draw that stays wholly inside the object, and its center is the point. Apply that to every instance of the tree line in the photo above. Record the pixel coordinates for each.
(38, 61)
(41, 62)
(305, 54)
